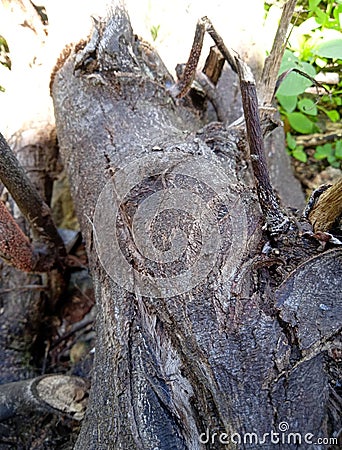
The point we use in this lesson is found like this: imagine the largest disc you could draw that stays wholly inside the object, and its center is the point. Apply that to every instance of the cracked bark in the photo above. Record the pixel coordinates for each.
(214, 357)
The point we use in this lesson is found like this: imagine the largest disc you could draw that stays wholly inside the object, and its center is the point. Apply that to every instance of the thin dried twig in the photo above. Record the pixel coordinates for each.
(203, 25)
(220, 44)
(276, 220)
(271, 66)
(185, 82)
(282, 77)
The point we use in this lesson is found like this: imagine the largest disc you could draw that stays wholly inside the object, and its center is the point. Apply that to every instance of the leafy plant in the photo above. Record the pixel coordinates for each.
(315, 45)
(330, 151)
(297, 151)
(290, 97)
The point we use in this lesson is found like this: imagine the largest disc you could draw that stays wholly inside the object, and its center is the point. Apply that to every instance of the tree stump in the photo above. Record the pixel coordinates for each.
(197, 345)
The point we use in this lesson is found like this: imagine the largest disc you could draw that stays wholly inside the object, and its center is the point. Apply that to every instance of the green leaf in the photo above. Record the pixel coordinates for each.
(333, 115)
(308, 25)
(291, 141)
(300, 154)
(336, 13)
(299, 122)
(313, 4)
(331, 160)
(330, 49)
(288, 59)
(3, 43)
(288, 102)
(323, 151)
(295, 83)
(338, 150)
(307, 106)
(321, 17)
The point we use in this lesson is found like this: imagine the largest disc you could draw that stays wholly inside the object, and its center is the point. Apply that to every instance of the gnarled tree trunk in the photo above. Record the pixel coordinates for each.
(195, 347)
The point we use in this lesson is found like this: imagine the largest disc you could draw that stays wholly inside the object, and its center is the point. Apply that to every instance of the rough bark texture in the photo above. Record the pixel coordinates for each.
(174, 361)
(328, 209)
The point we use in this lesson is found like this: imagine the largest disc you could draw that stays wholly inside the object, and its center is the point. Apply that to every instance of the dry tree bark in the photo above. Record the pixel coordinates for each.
(190, 339)
(15, 247)
(327, 210)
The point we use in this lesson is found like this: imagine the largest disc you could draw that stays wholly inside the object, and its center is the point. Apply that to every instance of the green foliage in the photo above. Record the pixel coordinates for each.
(4, 58)
(307, 106)
(154, 31)
(4, 50)
(301, 123)
(326, 13)
(329, 49)
(333, 115)
(297, 151)
(315, 45)
(330, 151)
(294, 84)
